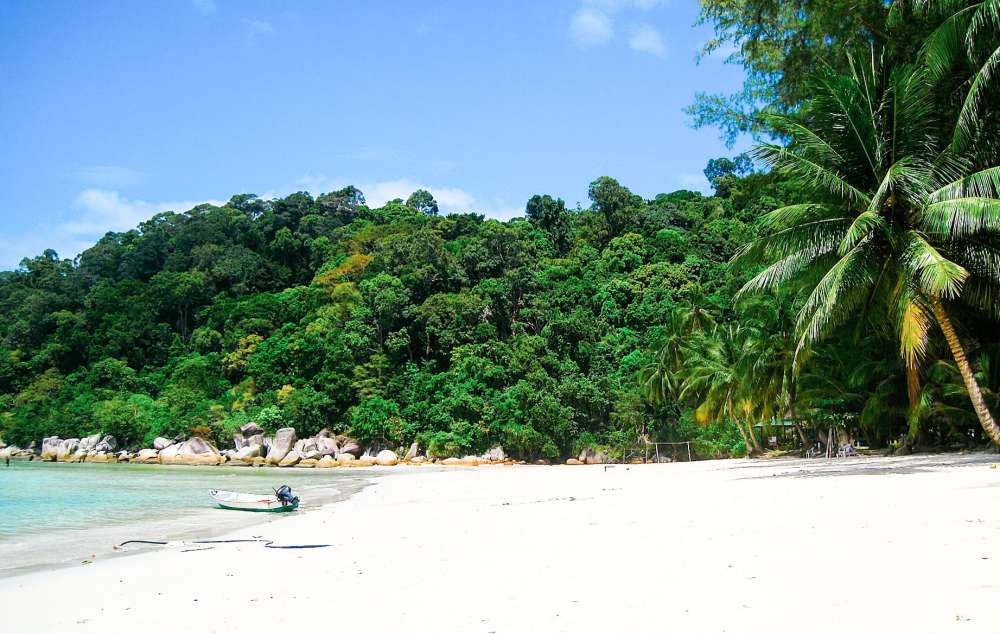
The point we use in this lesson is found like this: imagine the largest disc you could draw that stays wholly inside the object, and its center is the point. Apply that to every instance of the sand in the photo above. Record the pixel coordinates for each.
(854, 545)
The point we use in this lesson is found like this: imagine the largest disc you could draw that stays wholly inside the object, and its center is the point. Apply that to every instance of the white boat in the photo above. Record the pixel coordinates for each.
(262, 502)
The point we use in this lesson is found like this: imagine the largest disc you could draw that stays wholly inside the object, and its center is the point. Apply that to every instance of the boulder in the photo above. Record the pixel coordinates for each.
(107, 444)
(312, 454)
(345, 459)
(169, 453)
(193, 451)
(573, 461)
(251, 429)
(593, 456)
(247, 454)
(100, 456)
(238, 463)
(289, 459)
(327, 446)
(417, 460)
(326, 462)
(348, 445)
(411, 453)
(363, 461)
(239, 442)
(471, 461)
(50, 447)
(257, 440)
(161, 443)
(194, 446)
(541, 461)
(307, 463)
(284, 440)
(147, 456)
(495, 454)
(89, 443)
(324, 433)
(386, 458)
(67, 448)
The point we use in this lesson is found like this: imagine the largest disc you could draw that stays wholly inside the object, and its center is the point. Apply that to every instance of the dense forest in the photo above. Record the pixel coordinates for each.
(842, 278)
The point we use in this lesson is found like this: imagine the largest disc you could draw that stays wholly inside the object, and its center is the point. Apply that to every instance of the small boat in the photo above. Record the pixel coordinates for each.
(281, 501)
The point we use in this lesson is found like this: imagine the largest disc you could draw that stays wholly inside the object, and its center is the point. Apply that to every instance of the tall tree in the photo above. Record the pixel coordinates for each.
(901, 227)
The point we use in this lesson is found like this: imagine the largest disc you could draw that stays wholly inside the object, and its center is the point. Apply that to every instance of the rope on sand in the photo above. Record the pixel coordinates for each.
(268, 543)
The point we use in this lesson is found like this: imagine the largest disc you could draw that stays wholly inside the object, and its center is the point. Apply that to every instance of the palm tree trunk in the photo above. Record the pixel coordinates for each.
(795, 417)
(958, 352)
(746, 443)
(753, 438)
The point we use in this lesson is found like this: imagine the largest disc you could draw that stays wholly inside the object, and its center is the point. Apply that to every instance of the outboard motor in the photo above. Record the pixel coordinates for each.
(284, 494)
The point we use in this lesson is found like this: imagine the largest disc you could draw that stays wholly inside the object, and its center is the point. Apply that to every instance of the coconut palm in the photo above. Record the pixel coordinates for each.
(900, 228)
(769, 357)
(662, 378)
(716, 376)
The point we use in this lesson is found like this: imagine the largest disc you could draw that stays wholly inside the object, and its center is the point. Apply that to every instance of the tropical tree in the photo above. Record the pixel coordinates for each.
(900, 228)
(716, 375)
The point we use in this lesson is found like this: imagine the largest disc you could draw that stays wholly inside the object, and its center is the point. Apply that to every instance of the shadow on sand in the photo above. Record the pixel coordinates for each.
(863, 465)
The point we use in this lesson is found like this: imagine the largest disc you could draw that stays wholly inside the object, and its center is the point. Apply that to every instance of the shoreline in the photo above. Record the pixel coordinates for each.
(65, 547)
(738, 546)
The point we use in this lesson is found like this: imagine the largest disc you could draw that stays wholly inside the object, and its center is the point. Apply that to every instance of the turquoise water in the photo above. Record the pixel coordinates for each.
(55, 513)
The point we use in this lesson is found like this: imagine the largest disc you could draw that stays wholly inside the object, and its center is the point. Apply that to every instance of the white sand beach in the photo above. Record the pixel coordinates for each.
(856, 545)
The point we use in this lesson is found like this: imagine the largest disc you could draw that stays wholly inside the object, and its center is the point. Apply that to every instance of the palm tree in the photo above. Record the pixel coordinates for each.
(901, 227)
(770, 356)
(716, 374)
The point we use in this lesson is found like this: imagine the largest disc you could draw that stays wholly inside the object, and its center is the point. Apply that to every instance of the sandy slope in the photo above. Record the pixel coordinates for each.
(867, 545)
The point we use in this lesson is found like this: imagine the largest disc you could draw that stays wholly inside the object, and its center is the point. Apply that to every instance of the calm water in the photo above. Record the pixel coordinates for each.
(56, 513)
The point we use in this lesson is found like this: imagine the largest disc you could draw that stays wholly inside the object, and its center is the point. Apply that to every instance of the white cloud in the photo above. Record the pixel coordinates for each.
(102, 210)
(255, 27)
(378, 193)
(95, 212)
(646, 39)
(590, 27)
(204, 6)
(450, 199)
(109, 176)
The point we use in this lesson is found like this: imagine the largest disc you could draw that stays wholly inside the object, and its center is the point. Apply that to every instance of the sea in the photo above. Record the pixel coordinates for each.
(60, 514)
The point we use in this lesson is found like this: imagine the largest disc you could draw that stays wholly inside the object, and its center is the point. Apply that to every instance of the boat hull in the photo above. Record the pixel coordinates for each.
(254, 503)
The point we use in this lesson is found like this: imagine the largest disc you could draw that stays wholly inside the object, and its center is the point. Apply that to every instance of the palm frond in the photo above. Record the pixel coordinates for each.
(844, 286)
(961, 217)
(936, 274)
(970, 116)
(782, 271)
(812, 173)
(946, 44)
(982, 184)
(914, 324)
(861, 229)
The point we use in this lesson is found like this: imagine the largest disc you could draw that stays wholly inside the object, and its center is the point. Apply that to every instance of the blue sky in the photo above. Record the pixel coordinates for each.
(112, 111)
